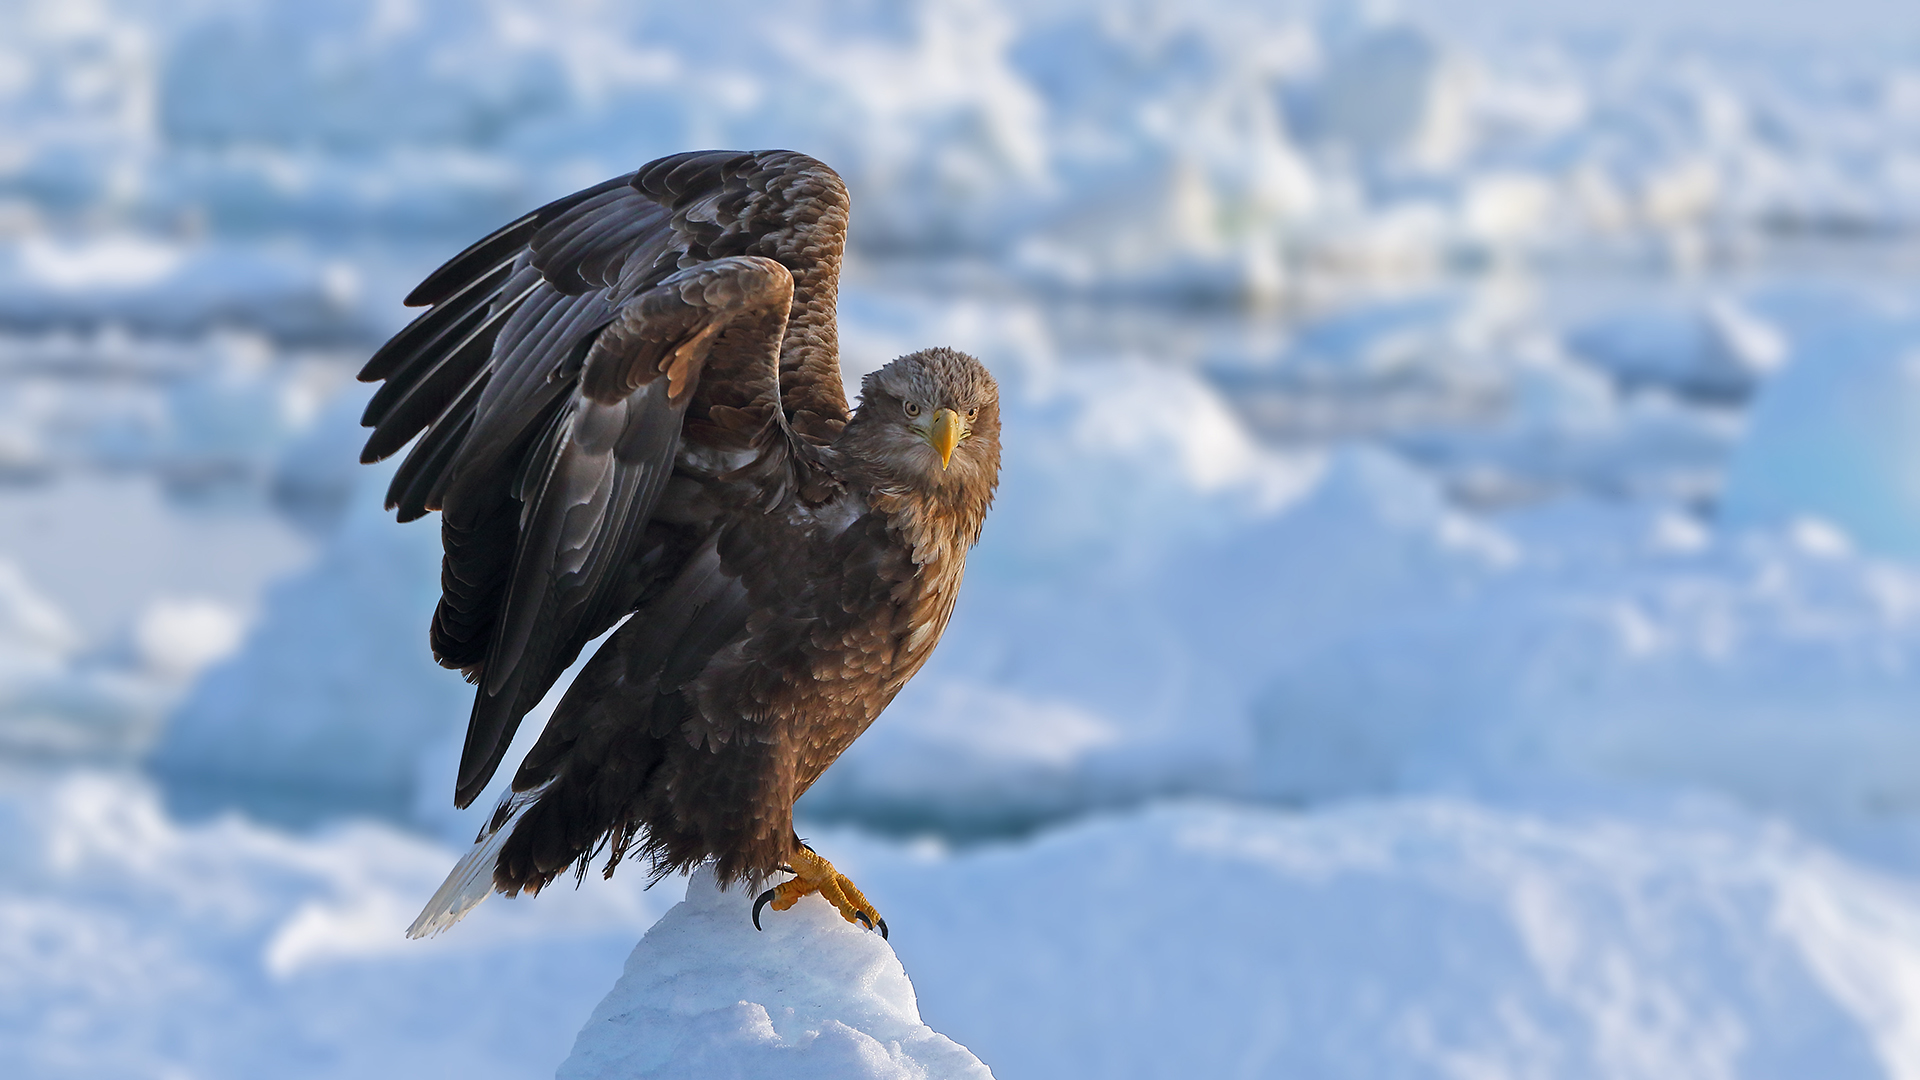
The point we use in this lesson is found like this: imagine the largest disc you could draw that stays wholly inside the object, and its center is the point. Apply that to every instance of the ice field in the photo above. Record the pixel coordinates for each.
(1452, 607)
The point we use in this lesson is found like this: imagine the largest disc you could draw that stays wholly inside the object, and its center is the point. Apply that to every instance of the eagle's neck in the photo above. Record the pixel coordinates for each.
(937, 532)
(938, 526)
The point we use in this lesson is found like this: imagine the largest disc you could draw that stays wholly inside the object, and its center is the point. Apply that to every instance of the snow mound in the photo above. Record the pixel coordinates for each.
(131, 945)
(704, 994)
(1414, 937)
(1411, 938)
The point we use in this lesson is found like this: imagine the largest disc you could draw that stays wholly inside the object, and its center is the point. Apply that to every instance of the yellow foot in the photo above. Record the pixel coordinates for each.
(814, 874)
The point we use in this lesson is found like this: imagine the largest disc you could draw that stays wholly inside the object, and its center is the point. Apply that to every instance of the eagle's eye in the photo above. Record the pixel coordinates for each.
(973, 412)
(913, 409)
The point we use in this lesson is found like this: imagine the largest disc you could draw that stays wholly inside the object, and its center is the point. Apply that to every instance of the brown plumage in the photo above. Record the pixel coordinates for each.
(631, 403)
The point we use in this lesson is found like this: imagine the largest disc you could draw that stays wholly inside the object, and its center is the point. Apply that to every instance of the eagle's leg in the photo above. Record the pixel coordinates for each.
(814, 874)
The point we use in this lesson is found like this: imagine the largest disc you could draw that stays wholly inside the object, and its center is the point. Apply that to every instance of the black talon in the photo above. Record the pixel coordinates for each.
(883, 928)
(762, 902)
(864, 921)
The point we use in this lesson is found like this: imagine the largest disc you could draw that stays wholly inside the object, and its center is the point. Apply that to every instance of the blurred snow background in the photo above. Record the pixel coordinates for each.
(1453, 608)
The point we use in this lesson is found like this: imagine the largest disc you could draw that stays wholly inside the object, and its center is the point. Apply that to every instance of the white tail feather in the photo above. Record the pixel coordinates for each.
(471, 879)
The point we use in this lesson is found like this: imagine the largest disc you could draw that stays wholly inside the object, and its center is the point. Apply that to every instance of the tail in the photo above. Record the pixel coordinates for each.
(471, 879)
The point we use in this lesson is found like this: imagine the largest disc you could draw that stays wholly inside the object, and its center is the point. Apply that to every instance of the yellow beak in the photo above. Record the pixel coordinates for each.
(945, 434)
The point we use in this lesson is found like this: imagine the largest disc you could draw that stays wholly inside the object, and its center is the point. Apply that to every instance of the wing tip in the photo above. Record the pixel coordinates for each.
(477, 767)
(459, 271)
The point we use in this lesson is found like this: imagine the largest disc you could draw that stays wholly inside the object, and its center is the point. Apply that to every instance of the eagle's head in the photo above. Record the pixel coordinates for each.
(930, 421)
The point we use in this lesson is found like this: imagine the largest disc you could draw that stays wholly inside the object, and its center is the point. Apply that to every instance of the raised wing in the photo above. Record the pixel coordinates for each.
(566, 363)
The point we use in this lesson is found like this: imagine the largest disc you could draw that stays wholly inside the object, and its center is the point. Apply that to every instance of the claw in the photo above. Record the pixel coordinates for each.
(814, 874)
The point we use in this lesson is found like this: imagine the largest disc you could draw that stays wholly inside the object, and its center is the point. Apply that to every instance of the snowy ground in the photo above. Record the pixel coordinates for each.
(1453, 607)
